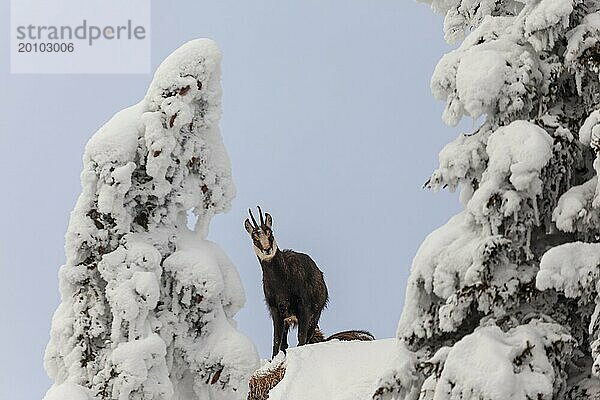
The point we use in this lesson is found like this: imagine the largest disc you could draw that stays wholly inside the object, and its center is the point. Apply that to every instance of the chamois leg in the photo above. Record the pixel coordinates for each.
(278, 328)
(303, 325)
(284, 337)
(314, 320)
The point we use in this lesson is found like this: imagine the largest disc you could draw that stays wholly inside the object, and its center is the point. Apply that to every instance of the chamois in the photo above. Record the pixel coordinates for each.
(293, 285)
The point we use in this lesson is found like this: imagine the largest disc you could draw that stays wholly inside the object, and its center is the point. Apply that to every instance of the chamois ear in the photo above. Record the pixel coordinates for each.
(268, 220)
(248, 226)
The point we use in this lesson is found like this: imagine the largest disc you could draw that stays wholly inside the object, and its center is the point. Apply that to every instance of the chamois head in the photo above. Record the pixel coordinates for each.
(262, 236)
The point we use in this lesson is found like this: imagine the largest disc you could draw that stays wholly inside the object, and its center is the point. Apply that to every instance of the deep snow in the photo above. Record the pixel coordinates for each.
(335, 370)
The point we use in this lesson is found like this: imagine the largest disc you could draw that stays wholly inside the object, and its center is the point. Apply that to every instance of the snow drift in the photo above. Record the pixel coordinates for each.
(336, 370)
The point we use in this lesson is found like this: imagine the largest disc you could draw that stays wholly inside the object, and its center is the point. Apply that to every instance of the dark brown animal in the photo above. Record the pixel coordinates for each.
(292, 283)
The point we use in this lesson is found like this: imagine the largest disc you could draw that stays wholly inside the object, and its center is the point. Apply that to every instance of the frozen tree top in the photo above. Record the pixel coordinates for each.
(185, 95)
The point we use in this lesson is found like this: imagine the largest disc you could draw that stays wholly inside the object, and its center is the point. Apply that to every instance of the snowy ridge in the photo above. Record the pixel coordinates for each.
(487, 364)
(333, 370)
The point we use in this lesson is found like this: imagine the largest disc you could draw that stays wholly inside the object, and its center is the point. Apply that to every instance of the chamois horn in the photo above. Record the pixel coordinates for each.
(262, 221)
(253, 220)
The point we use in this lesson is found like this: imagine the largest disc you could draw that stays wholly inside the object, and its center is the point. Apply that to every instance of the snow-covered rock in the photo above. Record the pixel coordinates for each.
(333, 370)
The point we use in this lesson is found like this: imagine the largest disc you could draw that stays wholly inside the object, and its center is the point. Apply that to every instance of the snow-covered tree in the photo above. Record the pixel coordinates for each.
(502, 301)
(148, 304)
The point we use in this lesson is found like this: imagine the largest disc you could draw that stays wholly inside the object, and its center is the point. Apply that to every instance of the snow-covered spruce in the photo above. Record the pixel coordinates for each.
(148, 305)
(502, 301)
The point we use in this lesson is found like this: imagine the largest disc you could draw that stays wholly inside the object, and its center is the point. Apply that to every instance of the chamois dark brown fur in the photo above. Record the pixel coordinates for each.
(293, 285)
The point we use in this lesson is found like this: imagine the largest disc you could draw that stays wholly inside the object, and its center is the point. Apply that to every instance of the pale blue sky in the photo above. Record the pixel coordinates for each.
(330, 126)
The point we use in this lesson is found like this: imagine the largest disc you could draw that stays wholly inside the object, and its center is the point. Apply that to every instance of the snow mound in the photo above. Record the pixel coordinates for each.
(574, 207)
(496, 365)
(487, 74)
(479, 79)
(590, 130)
(545, 20)
(335, 370)
(68, 391)
(571, 268)
(511, 150)
(517, 152)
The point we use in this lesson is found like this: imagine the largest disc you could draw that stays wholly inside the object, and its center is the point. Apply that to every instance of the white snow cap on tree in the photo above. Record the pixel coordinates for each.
(148, 305)
(503, 300)
(492, 364)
